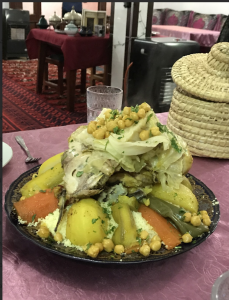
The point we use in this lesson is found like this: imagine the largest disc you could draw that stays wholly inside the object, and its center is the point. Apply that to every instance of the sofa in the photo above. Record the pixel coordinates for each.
(188, 18)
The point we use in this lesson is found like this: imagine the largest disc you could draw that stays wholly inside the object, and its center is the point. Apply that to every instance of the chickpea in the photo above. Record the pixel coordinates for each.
(119, 249)
(128, 122)
(108, 245)
(144, 234)
(203, 212)
(145, 250)
(100, 121)
(99, 134)
(58, 237)
(126, 110)
(145, 106)
(100, 245)
(91, 127)
(156, 238)
(134, 116)
(107, 134)
(121, 124)
(195, 221)
(126, 117)
(43, 232)
(108, 113)
(155, 131)
(155, 245)
(111, 125)
(144, 135)
(93, 251)
(187, 217)
(141, 113)
(187, 238)
(206, 220)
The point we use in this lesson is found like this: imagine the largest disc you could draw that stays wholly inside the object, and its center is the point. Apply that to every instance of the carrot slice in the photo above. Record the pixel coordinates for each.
(166, 231)
(36, 206)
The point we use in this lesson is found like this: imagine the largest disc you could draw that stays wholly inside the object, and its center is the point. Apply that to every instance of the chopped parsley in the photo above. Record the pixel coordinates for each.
(135, 109)
(117, 130)
(149, 117)
(194, 242)
(182, 211)
(52, 168)
(76, 154)
(33, 217)
(139, 230)
(178, 247)
(106, 145)
(119, 207)
(88, 246)
(71, 141)
(120, 137)
(50, 239)
(174, 143)
(113, 114)
(139, 240)
(94, 220)
(42, 191)
(110, 230)
(136, 122)
(102, 221)
(79, 173)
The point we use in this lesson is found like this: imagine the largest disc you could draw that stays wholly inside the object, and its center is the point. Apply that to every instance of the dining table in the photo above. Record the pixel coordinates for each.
(30, 272)
(206, 38)
(79, 52)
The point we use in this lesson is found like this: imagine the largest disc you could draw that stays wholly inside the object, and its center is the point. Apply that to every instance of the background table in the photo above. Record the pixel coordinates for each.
(79, 53)
(206, 38)
(32, 273)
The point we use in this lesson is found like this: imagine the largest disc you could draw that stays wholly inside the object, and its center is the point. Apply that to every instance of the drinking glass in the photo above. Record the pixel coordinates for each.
(102, 96)
(220, 289)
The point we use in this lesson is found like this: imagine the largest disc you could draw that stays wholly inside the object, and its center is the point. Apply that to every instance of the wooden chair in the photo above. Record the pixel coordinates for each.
(103, 77)
(58, 84)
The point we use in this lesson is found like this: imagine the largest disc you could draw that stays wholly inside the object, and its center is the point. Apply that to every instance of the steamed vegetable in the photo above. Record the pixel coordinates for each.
(86, 223)
(47, 180)
(183, 197)
(175, 214)
(36, 206)
(126, 233)
(50, 163)
(166, 231)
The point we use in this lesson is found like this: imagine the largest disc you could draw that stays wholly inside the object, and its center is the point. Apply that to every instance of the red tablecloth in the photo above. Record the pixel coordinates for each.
(79, 52)
(206, 38)
(32, 273)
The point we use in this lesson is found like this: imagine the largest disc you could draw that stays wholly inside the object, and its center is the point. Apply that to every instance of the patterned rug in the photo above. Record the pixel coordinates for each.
(23, 109)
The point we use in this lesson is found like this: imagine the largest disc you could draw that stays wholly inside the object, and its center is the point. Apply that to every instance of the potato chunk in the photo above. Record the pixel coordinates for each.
(182, 197)
(86, 223)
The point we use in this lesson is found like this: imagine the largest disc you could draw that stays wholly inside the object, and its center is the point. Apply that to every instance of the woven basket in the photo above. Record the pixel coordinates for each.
(205, 75)
(197, 147)
(206, 115)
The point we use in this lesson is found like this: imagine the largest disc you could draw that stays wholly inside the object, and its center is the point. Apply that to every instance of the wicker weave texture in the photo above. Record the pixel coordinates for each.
(200, 149)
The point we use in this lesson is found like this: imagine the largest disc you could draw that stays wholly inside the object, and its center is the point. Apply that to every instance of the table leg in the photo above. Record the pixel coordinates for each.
(41, 67)
(83, 81)
(71, 82)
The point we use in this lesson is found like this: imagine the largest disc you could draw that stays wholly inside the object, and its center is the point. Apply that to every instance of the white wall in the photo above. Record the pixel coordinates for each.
(201, 7)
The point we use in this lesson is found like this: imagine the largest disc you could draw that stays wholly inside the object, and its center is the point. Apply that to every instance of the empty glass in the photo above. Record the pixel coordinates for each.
(220, 289)
(102, 96)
